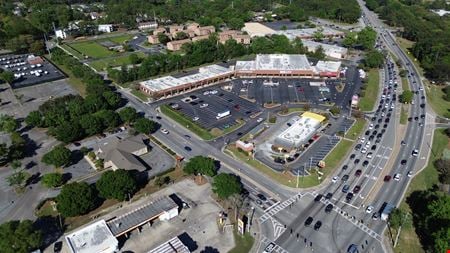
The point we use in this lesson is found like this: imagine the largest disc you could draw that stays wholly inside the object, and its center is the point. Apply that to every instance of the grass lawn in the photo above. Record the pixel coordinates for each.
(186, 122)
(435, 97)
(243, 243)
(356, 129)
(139, 94)
(72, 51)
(76, 83)
(113, 62)
(408, 241)
(46, 210)
(283, 178)
(92, 49)
(339, 152)
(367, 102)
(291, 110)
(404, 114)
(405, 85)
(406, 45)
(120, 39)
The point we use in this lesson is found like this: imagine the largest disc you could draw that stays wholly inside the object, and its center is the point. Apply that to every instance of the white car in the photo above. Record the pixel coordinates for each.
(371, 126)
(409, 174)
(259, 120)
(213, 92)
(206, 93)
(363, 139)
(369, 209)
(368, 144)
(397, 177)
(369, 155)
(195, 118)
(364, 150)
(335, 179)
(164, 131)
(415, 152)
(203, 105)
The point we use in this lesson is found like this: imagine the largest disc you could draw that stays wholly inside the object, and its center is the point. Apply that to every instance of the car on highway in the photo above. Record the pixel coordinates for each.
(187, 136)
(364, 150)
(345, 167)
(335, 179)
(329, 208)
(403, 162)
(358, 173)
(369, 155)
(308, 221)
(352, 156)
(356, 189)
(356, 161)
(329, 195)
(363, 139)
(164, 131)
(318, 197)
(317, 225)
(403, 143)
(358, 147)
(259, 120)
(345, 178)
(345, 188)
(409, 174)
(397, 177)
(195, 119)
(415, 152)
(353, 249)
(387, 178)
(369, 209)
(187, 148)
(365, 163)
(261, 197)
(376, 216)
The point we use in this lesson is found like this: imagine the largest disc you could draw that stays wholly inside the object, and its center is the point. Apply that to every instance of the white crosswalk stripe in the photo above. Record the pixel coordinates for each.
(271, 212)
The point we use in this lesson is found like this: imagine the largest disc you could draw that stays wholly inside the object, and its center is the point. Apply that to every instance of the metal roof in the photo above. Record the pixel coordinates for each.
(95, 237)
(275, 62)
(174, 245)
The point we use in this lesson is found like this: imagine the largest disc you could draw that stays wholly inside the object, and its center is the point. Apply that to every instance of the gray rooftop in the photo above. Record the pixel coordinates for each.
(174, 245)
(95, 237)
(141, 215)
(275, 62)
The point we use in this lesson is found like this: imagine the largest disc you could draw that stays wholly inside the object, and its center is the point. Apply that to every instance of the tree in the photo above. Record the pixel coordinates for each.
(319, 53)
(91, 124)
(201, 165)
(76, 199)
(443, 167)
(160, 181)
(128, 114)
(235, 23)
(17, 178)
(4, 154)
(349, 40)
(318, 35)
(8, 123)
(110, 119)
(403, 72)
(116, 184)
(7, 76)
(145, 126)
(366, 38)
(19, 236)
(374, 59)
(112, 98)
(225, 185)
(34, 119)
(406, 97)
(37, 47)
(181, 36)
(134, 58)
(59, 156)
(68, 131)
(163, 38)
(396, 218)
(52, 180)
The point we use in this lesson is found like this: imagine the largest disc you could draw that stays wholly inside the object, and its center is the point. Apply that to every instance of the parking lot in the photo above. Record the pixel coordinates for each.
(282, 91)
(29, 70)
(214, 108)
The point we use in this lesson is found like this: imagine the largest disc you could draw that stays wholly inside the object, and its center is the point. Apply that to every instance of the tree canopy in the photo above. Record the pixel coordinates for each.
(145, 126)
(225, 185)
(76, 199)
(59, 156)
(406, 97)
(8, 123)
(116, 184)
(373, 59)
(19, 237)
(201, 165)
(52, 180)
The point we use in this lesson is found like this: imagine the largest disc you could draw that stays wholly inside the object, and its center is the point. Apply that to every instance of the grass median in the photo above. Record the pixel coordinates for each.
(404, 114)
(367, 102)
(333, 159)
(355, 131)
(408, 240)
(243, 244)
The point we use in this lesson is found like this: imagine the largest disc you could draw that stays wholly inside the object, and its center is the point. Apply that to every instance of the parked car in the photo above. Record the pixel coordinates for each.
(308, 221)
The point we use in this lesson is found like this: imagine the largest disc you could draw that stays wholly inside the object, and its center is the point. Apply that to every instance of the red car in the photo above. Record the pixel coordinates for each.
(356, 189)
(387, 178)
(358, 173)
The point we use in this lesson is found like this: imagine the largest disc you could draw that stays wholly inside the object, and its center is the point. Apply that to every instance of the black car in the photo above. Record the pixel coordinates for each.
(367, 132)
(352, 156)
(308, 221)
(422, 116)
(422, 105)
(345, 178)
(318, 198)
(416, 118)
(358, 147)
(317, 225)
(329, 195)
(371, 137)
(187, 148)
(345, 167)
(403, 162)
(329, 208)
(373, 147)
(57, 247)
(365, 163)
(356, 161)
(410, 119)
(349, 196)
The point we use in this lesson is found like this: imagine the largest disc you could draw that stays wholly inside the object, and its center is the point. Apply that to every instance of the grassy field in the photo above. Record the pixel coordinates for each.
(356, 129)
(435, 97)
(367, 102)
(113, 62)
(139, 94)
(120, 39)
(243, 243)
(186, 122)
(408, 241)
(92, 49)
(72, 51)
(404, 114)
(76, 83)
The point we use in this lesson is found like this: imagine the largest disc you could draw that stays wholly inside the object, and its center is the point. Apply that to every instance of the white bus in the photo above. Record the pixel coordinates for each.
(221, 115)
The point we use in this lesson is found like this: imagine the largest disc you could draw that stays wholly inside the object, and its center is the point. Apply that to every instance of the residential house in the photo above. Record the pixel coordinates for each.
(60, 33)
(197, 38)
(153, 39)
(177, 44)
(192, 26)
(204, 30)
(147, 25)
(238, 36)
(120, 153)
(173, 29)
(107, 28)
(159, 30)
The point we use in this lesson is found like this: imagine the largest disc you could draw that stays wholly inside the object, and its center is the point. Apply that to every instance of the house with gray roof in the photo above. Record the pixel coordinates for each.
(123, 153)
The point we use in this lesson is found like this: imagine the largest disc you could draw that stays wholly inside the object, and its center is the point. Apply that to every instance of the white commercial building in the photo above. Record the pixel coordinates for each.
(275, 65)
(106, 28)
(301, 130)
(309, 33)
(60, 33)
(170, 85)
(328, 68)
(255, 29)
(332, 51)
(96, 237)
